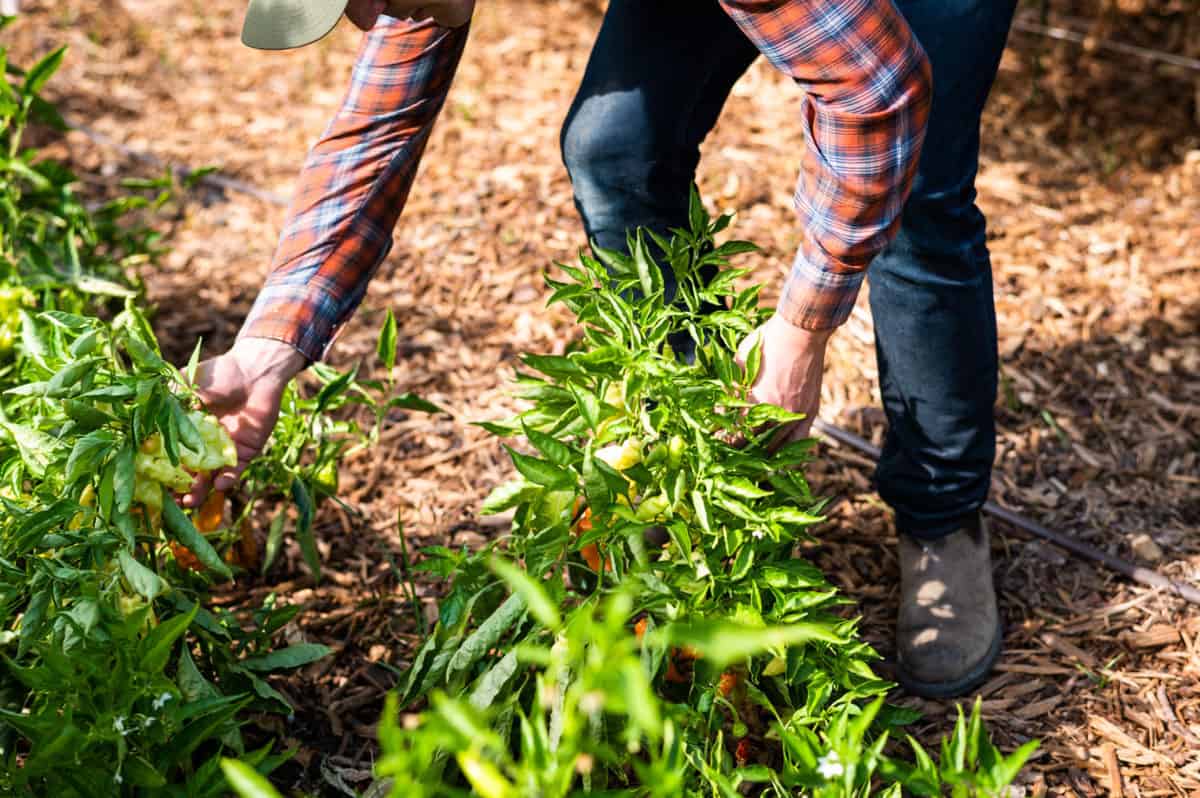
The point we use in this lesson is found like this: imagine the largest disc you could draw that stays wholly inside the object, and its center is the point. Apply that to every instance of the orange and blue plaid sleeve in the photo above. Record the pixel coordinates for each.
(867, 89)
(354, 185)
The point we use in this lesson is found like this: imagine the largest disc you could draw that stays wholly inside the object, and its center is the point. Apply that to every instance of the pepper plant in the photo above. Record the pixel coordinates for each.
(646, 627)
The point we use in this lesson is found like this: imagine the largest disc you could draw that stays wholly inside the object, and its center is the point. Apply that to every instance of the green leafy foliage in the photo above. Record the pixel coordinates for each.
(648, 630)
(101, 613)
(56, 253)
(115, 677)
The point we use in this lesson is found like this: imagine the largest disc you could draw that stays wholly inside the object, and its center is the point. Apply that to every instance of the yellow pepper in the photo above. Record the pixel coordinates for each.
(622, 456)
(154, 470)
(485, 777)
(219, 450)
(614, 394)
(12, 299)
(86, 499)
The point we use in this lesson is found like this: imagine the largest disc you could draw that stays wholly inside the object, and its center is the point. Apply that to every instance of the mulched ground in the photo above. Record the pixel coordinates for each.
(1090, 179)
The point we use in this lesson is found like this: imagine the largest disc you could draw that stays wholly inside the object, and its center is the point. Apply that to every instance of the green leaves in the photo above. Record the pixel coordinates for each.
(969, 763)
(509, 495)
(487, 635)
(541, 472)
(304, 526)
(180, 527)
(88, 452)
(286, 658)
(532, 595)
(38, 450)
(724, 643)
(410, 401)
(742, 488)
(556, 452)
(555, 366)
(156, 647)
(124, 478)
(246, 781)
(142, 579)
(649, 274)
(43, 70)
(386, 346)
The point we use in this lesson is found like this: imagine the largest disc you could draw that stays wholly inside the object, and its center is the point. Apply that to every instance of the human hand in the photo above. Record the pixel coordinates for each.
(447, 13)
(793, 364)
(365, 13)
(243, 388)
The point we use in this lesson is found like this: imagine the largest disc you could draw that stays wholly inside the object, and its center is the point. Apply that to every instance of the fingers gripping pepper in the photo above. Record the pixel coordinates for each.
(155, 470)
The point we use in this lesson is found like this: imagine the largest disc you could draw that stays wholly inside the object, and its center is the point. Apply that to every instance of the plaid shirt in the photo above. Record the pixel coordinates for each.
(867, 85)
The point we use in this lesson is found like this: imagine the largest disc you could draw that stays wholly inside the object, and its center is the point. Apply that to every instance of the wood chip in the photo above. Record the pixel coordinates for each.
(1155, 637)
(1128, 749)
(1116, 786)
(1066, 647)
(1038, 708)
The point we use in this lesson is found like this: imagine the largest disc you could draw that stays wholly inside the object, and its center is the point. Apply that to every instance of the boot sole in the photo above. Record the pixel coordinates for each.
(965, 684)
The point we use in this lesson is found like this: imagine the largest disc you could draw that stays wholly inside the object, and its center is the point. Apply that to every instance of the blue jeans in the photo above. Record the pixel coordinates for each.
(656, 82)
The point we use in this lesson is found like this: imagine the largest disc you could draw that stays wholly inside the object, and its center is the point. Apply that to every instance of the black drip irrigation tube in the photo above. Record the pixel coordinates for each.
(1025, 25)
(1086, 551)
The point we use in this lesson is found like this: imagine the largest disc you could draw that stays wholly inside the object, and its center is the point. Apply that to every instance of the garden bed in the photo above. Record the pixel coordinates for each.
(1090, 180)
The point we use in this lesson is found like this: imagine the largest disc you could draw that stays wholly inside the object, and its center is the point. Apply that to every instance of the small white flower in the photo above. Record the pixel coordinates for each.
(830, 766)
(161, 701)
(702, 571)
(119, 724)
(147, 723)
(117, 779)
(758, 534)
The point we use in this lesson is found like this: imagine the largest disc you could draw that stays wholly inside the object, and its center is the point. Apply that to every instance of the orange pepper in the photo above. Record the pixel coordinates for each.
(743, 752)
(211, 513)
(185, 558)
(592, 553)
(674, 675)
(244, 551)
(678, 661)
(585, 522)
(729, 682)
(639, 628)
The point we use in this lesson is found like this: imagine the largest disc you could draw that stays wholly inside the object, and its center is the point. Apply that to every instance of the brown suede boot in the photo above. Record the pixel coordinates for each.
(948, 636)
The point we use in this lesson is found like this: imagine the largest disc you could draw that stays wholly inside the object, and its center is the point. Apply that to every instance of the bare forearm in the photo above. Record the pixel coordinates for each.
(268, 359)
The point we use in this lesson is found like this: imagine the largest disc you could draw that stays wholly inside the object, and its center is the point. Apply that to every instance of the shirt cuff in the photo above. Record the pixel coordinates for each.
(291, 320)
(816, 297)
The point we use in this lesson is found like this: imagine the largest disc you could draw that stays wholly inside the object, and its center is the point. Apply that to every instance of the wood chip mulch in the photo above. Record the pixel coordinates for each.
(1090, 178)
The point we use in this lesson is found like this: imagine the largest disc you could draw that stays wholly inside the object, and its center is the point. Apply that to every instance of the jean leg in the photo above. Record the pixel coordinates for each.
(655, 83)
(931, 289)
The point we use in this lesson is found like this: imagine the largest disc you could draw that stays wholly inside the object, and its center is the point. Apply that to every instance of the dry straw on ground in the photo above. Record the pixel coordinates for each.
(1090, 179)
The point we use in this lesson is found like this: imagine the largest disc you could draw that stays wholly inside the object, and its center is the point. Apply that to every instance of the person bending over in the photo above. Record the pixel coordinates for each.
(654, 86)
